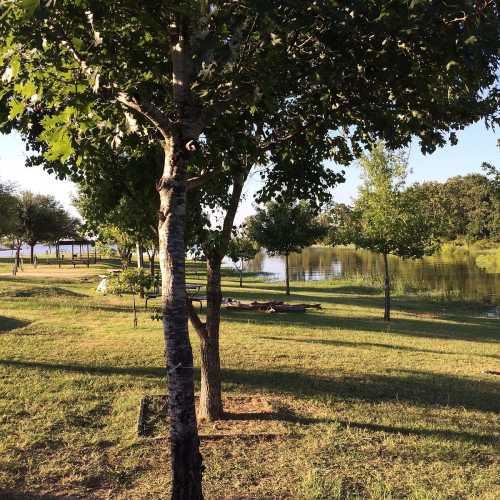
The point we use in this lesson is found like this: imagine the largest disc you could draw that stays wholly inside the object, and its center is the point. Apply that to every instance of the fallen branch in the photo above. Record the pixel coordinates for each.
(292, 308)
(272, 306)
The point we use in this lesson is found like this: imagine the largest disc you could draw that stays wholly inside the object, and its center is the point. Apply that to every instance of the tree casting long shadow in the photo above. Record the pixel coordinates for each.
(368, 345)
(417, 387)
(477, 330)
(22, 495)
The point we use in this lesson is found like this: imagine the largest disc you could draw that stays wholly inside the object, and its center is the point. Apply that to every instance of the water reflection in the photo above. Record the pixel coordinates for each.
(451, 276)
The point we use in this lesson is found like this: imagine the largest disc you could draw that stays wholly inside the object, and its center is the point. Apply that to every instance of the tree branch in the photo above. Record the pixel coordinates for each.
(199, 180)
(239, 181)
(151, 113)
(199, 326)
(267, 144)
(148, 111)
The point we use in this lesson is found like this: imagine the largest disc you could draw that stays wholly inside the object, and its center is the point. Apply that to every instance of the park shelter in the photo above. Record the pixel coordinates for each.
(80, 252)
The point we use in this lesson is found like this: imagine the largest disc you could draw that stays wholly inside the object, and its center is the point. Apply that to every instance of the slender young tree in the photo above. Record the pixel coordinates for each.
(242, 249)
(284, 228)
(386, 218)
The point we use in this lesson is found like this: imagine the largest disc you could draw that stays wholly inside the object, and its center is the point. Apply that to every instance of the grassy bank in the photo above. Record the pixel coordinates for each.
(359, 409)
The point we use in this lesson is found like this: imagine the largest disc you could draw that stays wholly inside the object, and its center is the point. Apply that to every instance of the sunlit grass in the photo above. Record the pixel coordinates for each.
(404, 410)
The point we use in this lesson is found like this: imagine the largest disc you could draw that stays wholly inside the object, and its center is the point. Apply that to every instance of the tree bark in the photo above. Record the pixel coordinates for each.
(186, 458)
(387, 290)
(211, 407)
(241, 273)
(140, 255)
(287, 273)
(152, 262)
(18, 256)
(32, 253)
(210, 394)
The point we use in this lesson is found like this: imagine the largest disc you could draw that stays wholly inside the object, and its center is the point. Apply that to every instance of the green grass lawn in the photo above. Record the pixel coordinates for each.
(363, 409)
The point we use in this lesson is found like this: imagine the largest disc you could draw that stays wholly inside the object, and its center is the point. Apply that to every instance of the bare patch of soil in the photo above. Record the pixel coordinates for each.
(245, 416)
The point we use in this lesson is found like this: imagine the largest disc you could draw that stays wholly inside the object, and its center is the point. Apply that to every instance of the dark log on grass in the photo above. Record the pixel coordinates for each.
(270, 307)
(293, 308)
(265, 305)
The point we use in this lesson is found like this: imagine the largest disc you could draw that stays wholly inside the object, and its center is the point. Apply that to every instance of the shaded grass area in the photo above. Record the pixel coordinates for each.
(373, 410)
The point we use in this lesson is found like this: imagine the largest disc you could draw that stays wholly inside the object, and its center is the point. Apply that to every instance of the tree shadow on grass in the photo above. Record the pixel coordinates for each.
(417, 387)
(355, 295)
(346, 343)
(147, 372)
(474, 330)
(350, 290)
(422, 388)
(9, 324)
(445, 434)
(18, 495)
(109, 307)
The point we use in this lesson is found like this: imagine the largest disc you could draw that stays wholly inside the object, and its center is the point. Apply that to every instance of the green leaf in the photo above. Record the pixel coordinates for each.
(7, 10)
(59, 142)
(26, 90)
(471, 40)
(16, 108)
(29, 7)
(15, 65)
(77, 43)
(451, 64)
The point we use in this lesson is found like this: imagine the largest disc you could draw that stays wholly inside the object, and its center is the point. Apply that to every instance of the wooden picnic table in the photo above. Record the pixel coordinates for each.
(192, 292)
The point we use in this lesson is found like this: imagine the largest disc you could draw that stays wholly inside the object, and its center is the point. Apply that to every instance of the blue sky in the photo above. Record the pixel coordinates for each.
(476, 145)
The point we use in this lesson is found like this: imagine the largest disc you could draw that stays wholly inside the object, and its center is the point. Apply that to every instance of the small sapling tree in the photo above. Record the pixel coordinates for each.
(385, 218)
(130, 281)
(284, 228)
(242, 249)
(109, 234)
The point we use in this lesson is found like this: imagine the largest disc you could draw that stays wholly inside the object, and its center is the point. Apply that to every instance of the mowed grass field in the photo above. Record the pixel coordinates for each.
(361, 409)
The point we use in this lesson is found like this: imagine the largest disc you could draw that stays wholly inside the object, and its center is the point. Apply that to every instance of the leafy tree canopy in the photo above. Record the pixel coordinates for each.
(242, 248)
(463, 206)
(8, 204)
(284, 228)
(41, 218)
(385, 218)
(370, 69)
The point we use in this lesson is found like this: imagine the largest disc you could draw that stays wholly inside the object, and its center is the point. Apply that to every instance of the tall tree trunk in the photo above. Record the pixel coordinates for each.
(241, 273)
(18, 256)
(211, 407)
(387, 290)
(152, 262)
(186, 458)
(32, 253)
(287, 273)
(140, 255)
(210, 395)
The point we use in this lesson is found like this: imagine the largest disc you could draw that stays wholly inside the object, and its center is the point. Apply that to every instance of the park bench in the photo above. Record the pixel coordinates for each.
(80, 261)
(192, 291)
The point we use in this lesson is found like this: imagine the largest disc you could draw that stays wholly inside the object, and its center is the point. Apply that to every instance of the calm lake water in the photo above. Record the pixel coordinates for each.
(449, 276)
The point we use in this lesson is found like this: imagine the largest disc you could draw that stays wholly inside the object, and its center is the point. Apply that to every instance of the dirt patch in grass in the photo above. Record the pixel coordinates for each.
(245, 416)
(41, 291)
